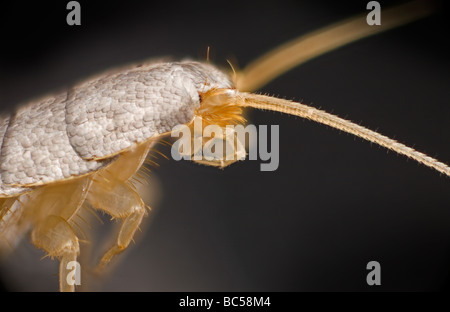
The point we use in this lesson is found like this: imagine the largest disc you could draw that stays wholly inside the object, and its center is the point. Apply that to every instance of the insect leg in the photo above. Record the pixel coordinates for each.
(50, 209)
(111, 193)
(122, 202)
(11, 230)
(57, 238)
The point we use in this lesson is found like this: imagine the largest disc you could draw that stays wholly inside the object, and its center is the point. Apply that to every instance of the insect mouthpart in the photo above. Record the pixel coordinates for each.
(220, 107)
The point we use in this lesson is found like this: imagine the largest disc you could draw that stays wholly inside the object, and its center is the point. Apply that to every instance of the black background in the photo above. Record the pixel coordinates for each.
(334, 204)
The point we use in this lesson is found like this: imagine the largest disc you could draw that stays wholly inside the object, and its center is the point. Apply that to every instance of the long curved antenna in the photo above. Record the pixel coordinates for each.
(300, 50)
(264, 102)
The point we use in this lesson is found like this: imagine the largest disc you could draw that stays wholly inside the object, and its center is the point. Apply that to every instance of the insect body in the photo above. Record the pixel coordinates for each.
(66, 144)
(84, 145)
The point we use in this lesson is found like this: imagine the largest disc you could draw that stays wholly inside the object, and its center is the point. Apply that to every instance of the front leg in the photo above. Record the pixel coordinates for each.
(121, 202)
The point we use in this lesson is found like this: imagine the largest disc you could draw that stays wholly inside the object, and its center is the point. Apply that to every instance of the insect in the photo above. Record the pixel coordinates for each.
(84, 186)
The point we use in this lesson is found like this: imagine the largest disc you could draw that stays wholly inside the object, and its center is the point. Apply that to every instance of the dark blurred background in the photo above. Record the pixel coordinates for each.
(334, 204)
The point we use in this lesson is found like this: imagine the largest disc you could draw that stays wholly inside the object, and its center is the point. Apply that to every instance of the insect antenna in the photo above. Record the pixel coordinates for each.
(265, 102)
(300, 50)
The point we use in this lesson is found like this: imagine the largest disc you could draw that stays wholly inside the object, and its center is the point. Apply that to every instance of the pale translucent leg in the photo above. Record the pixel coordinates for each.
(112, 194)
(121, 202)
(57, 238)
(9, 230)
(50, 209)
